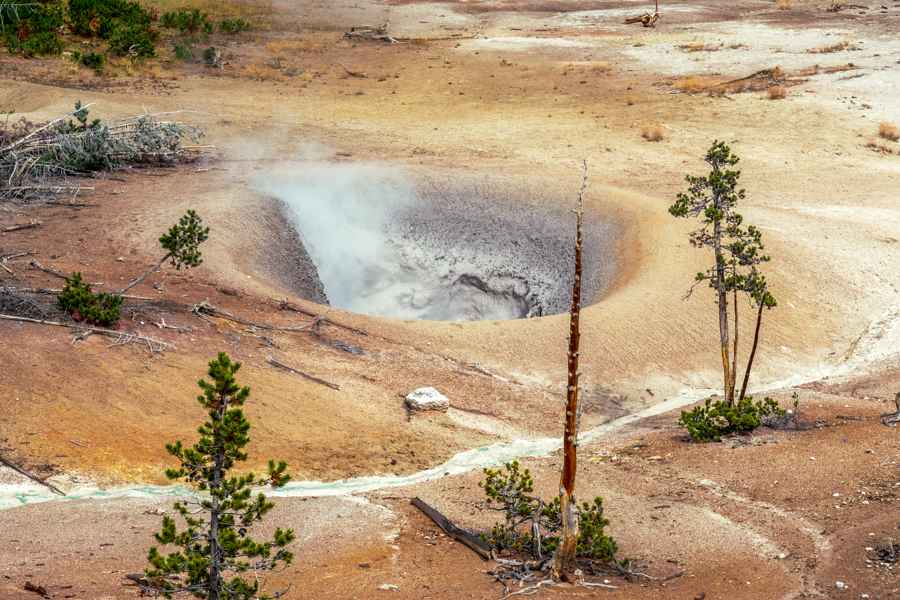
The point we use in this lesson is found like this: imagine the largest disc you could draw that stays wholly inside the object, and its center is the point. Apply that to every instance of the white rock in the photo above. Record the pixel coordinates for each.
(840, 585)
(389, 587)
(427, 398)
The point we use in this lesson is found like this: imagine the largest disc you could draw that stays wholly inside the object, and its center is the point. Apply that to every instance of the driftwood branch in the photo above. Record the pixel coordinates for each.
(31, 225)
(26, 473)
(313, 378)
(121, 337)
(468, 539)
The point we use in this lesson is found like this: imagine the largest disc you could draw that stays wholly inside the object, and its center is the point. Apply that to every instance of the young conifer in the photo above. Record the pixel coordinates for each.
(214, 552)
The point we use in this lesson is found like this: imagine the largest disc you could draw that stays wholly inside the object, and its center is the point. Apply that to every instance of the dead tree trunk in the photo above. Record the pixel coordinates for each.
(759, 314)
(152, 269)
(564, 561)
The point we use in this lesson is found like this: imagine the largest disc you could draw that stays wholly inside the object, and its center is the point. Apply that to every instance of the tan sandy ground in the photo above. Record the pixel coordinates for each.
(527, 98)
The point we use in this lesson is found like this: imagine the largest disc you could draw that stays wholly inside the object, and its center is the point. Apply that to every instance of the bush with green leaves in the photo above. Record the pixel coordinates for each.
(532, 526)
(82, 304)
(91, 60)
(711, 420)
(213, 553)
(32, 29)
(183, 51)
(125, 24)
(187, 21)
(233, 26)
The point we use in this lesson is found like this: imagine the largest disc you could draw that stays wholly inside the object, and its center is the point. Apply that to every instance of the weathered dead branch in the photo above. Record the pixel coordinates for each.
(891, 419)
(22, 226)
(56, 292)
(120, 337)
(371, 33)
(467, 538)
(205, 308)
(322, 320)
(276, 363)
(26, 473)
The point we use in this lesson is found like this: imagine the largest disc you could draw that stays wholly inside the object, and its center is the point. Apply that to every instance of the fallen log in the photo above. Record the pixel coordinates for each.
(205, 308)
(285, 305)
(313, 378)
(54, 292)
(378, 34)
(122, 337)
(646, 19)
(467, 538)
(31, 225)
(26, 473)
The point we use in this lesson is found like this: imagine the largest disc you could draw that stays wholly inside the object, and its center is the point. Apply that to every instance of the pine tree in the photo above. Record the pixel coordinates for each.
(182, 246)
(214, 552)
(737, 253)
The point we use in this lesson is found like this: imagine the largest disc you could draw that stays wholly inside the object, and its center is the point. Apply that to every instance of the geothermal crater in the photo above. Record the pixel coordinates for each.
(436, 248)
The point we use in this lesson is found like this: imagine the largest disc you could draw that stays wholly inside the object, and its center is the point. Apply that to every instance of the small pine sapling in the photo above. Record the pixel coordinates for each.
(215, 552)
(182, 246)
(77, 299)
(532, 526)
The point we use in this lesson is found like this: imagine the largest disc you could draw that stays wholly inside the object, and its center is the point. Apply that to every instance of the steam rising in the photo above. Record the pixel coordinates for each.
(384, 246)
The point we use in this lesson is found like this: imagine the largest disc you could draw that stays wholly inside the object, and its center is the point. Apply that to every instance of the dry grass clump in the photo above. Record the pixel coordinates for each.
(699, 47)
(694, 84)
(784, 4)
(296, 46)
(889, 131)
(653, 133)
(838, 47)
(777, 92)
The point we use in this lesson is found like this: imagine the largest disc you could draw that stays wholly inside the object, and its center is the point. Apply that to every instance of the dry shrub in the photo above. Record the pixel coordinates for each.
(262, 73)
(653, 133)
(777, 92)
(784, 4)
(694, 84)
(699, 47)
(878, 147)
(283, 46)
(838, 47)
(888, 131)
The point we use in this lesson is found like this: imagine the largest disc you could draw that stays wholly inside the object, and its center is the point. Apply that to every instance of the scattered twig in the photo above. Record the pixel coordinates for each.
(179, 328)
(121, 337)
(357, 74)
(313, 378)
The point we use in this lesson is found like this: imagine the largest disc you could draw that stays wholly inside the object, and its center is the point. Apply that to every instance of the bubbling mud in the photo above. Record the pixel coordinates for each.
(439, 248)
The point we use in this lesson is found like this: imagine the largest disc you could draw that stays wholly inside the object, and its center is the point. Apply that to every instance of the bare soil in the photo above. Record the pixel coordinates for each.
(521, 90)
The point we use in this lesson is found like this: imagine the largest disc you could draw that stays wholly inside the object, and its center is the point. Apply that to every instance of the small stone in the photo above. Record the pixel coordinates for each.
(427, 398)
(389, 587)
(840, 585)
